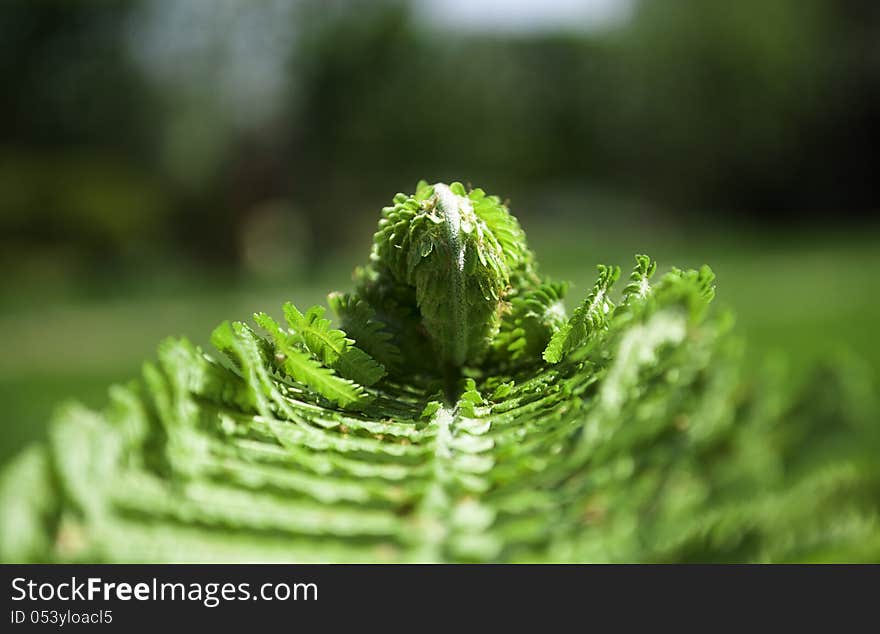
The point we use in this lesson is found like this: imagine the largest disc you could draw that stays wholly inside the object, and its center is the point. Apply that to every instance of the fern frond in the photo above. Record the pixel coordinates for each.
(331, 346)
(532, 319)
(693, 288)
(639, 280)
(360, 322)
(641, 437)
(301, 367)
(503, 227)
(457, 252)
(590, 317)
(26, 520)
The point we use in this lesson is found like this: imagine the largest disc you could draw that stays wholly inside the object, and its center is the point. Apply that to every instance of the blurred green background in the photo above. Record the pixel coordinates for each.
(168, 164)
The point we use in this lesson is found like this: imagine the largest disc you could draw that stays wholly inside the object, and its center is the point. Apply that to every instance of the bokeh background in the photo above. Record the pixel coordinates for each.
(168, 164)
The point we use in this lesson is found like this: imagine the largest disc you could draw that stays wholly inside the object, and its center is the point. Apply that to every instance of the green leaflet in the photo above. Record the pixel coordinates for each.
(331, 346)
(696, 288)
(589, 318)
(625, 433)
(24, 520)
(359, 320)
(534, 316)
(639, 280)
(302, 367)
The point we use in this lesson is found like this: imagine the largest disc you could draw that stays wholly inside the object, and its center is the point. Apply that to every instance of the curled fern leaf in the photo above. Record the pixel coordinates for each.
(451, 253)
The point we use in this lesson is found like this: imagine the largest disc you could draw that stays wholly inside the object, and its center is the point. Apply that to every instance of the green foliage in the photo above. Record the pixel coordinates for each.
(640, 279)
(460, 254)
(534, 315)
(629, 432)
(331, 346)
(304, 367)
(359, 319)
(588, 319)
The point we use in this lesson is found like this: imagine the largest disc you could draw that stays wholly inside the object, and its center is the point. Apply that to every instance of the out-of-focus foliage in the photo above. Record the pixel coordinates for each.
(769, 110)
(645, 439)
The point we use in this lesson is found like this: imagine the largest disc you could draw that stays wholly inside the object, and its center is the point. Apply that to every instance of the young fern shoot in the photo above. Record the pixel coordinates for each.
(457, 413)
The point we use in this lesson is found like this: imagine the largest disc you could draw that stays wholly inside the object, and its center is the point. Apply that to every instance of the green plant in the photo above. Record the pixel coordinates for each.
(460, 415)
